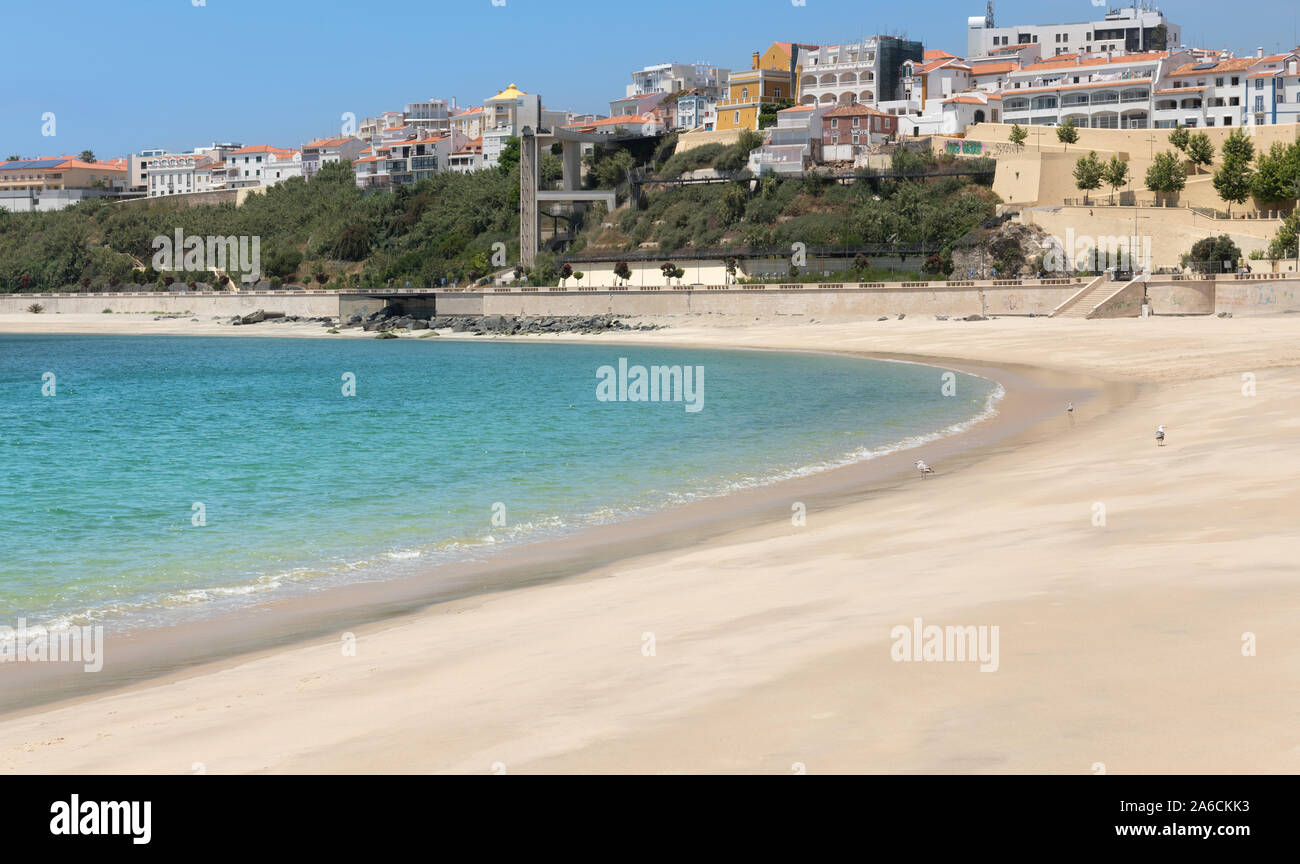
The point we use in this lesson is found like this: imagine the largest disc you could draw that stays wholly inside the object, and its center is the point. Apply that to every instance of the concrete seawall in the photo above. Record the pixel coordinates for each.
(1255, 294)
(1257, 297)
(312, 304)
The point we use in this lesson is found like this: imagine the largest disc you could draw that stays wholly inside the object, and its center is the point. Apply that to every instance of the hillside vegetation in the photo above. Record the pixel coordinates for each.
(329, 232)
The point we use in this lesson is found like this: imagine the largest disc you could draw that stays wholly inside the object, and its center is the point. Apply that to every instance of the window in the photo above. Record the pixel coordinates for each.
(1235, 81)
(1218, 82)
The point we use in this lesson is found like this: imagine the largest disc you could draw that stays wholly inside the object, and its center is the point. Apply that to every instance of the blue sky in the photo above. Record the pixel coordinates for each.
(122, 76)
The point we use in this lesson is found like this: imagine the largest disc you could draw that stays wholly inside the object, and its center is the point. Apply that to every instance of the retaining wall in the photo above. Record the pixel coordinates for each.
(202, 303)
(1251, 295)
(1256, 296)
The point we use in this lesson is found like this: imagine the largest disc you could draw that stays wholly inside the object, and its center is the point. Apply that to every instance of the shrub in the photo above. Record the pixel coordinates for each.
(36, 308)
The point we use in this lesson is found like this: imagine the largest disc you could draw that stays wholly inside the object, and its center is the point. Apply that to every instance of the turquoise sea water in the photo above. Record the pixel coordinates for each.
(302, 487)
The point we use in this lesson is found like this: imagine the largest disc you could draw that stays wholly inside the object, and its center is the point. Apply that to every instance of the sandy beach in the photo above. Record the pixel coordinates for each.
(1124, 578)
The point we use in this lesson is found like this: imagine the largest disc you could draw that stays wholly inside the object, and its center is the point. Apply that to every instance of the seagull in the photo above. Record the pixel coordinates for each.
(1160, 436)
(923, 468)
(1069, 407)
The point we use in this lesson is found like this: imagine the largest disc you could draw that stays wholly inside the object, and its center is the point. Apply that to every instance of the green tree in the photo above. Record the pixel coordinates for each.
(508, 160)
(1179, 137)
(1286, 243)
(1088, 172)
(282, 261)
(1200, 151)
(767, 112)
(1215, 255)
(1166, 175)
(1018, 136)
(1067, 133)
(1277, 174)
(352, 243)
(1234, 179)
(1115, 175)
(13, 158)
(87, 156)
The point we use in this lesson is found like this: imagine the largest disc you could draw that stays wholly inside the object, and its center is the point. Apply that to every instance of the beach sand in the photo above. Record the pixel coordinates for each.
(1120, 647)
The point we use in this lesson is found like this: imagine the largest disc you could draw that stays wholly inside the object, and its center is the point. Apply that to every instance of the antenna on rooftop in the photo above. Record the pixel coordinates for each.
(988, 15)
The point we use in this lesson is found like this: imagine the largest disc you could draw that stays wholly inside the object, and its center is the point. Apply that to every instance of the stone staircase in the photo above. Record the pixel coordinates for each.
(1093, 296)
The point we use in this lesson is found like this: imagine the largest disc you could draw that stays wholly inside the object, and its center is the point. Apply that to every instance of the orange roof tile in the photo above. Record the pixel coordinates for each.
(1234, 64)
(329, 142)
(854, 111)
(993, 68)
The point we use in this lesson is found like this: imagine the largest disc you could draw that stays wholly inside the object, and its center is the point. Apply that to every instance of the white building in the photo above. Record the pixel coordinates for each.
(1098, 92)
(245, 167)
(1273, 94)
(674, 77)
(407, 161)
(1138, 28)
(433, 116)
(935, 80)
(137, 165)
(322, 151)
(172, 174)
(864, 72)
(468, 158)
(281, 165)
(1233, 91)
(697, 109)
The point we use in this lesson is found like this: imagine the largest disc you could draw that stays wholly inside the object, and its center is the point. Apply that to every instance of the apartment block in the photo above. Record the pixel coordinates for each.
(1099, 92)
(1140, 28)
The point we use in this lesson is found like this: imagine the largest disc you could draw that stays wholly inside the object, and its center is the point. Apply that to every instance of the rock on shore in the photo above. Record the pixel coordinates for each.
(495, 325)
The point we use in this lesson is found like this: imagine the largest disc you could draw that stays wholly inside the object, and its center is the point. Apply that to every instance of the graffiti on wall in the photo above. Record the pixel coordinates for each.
(964, 148)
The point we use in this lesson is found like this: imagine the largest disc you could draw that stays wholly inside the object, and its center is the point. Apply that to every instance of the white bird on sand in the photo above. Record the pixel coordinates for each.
(1069, 407)
(1160, 436)
(923, 468)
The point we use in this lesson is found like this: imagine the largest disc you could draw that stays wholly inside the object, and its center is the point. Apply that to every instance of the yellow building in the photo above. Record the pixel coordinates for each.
(769, 81)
